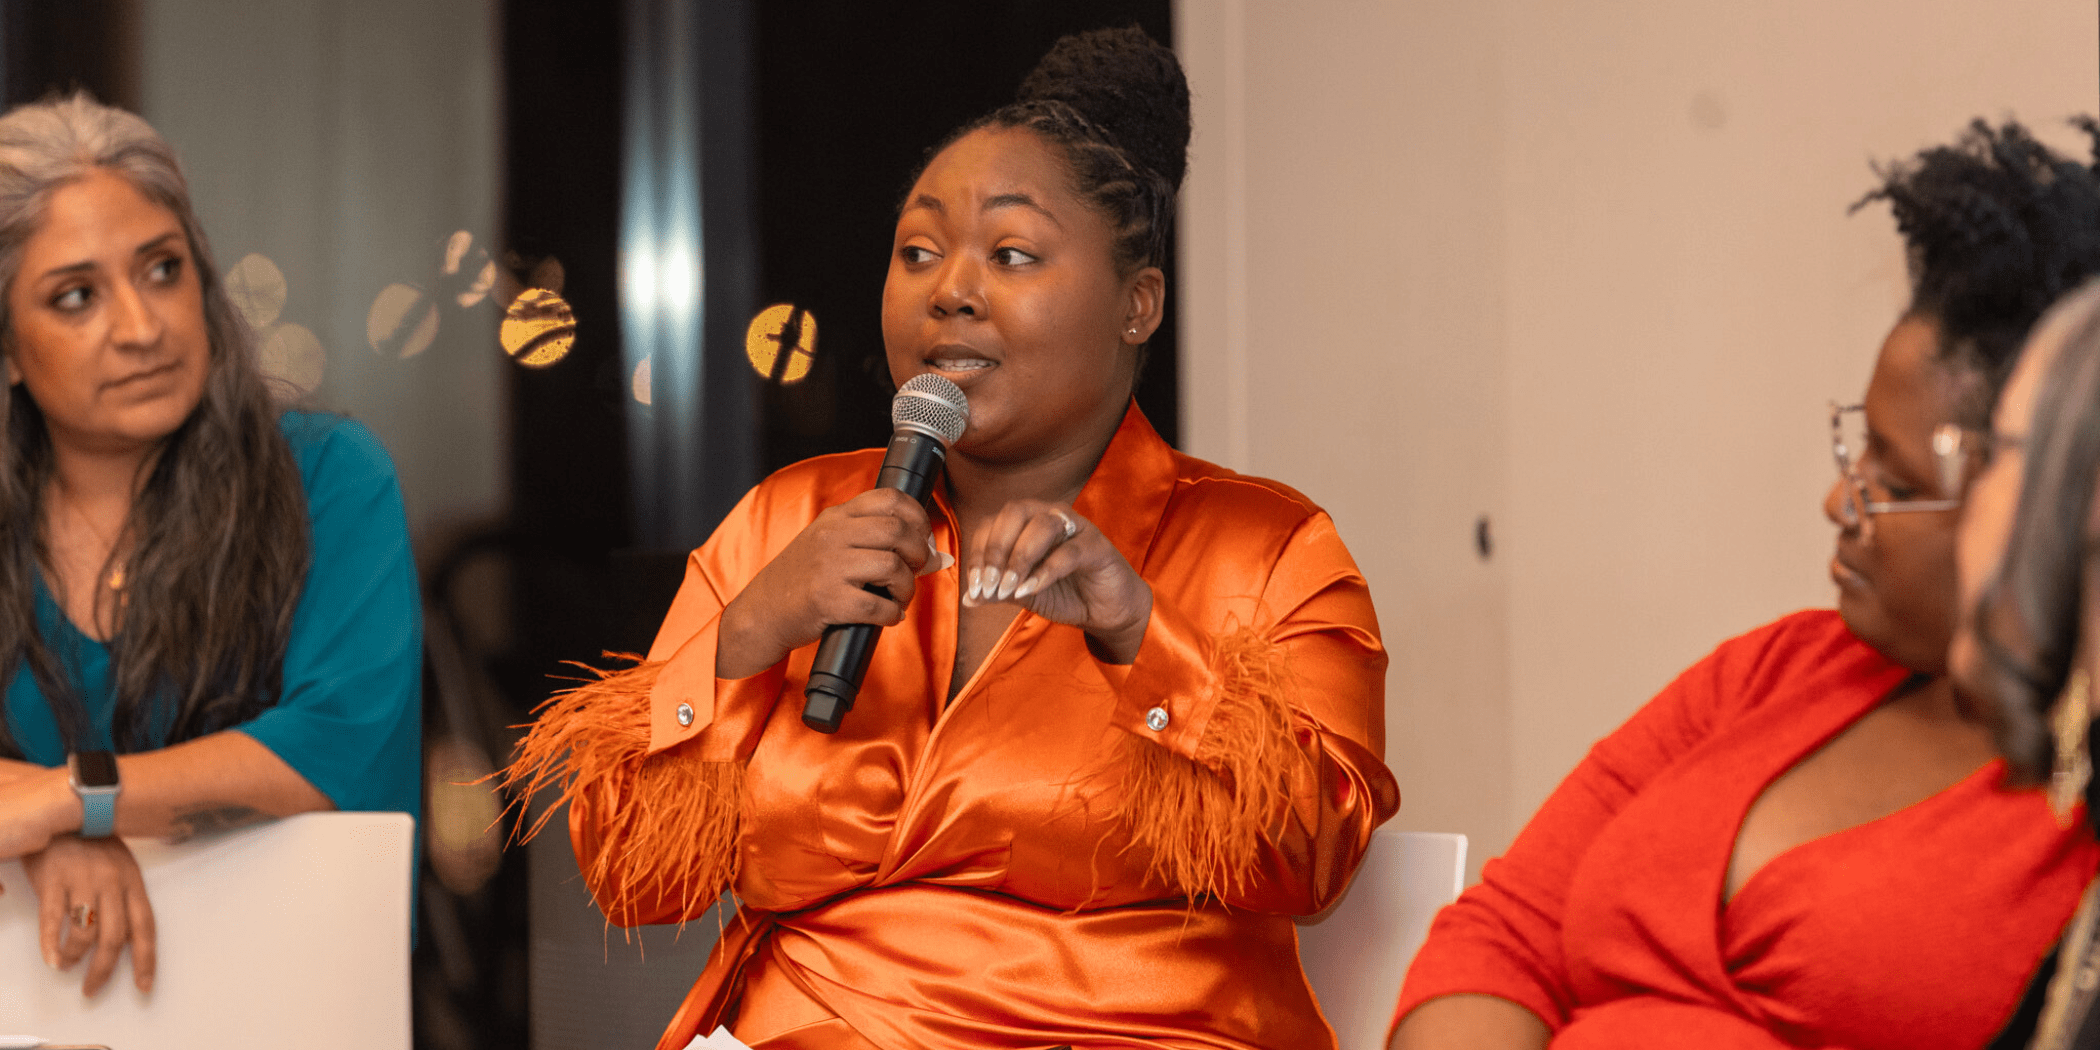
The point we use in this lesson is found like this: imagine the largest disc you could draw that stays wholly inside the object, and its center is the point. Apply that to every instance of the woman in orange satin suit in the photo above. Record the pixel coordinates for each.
(1128, 714)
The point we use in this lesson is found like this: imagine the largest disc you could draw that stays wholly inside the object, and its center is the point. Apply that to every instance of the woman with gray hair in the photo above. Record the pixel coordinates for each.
(208, 610)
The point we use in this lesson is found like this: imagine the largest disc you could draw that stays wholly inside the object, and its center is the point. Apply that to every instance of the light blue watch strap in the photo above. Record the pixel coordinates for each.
(98, 812)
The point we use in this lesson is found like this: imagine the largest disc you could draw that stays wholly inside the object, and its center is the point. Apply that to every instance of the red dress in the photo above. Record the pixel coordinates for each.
(1031, 863)
(1915, 931)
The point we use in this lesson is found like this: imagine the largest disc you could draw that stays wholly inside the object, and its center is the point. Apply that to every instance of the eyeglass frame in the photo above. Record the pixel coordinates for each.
(1950, 449)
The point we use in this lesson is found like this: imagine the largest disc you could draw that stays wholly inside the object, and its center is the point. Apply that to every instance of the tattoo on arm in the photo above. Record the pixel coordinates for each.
(213, 818)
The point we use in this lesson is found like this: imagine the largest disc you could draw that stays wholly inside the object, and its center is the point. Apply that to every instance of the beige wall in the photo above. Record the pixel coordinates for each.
(1584, 268)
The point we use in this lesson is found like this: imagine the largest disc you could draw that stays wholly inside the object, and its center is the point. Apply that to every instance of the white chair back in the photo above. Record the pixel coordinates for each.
(1356, 952)
(288, 934)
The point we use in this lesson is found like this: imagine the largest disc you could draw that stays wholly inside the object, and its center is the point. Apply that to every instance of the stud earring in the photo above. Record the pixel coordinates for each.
(1133, 331)
(2074, 761)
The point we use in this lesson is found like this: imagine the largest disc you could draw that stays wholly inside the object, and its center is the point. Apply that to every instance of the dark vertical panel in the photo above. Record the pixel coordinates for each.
(689, 265)
(50, 46)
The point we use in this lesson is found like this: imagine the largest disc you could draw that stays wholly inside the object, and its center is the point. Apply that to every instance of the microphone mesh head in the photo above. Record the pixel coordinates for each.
(930, 403)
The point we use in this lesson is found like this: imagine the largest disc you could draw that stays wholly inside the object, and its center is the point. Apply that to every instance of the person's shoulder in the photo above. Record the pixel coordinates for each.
(857, 467)
(334, 448)
(1200, 485)
(1820, 629)
(1809, 643)
(820, 480)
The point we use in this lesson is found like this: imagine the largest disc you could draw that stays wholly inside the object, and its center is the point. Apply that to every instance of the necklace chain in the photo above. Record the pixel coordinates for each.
(115, 580)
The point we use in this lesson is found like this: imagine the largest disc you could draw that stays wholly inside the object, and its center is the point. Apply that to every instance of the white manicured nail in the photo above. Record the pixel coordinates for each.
(1007, 585)
(1029, 586)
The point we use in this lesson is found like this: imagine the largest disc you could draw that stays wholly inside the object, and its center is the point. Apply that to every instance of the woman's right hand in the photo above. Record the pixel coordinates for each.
(102, 876)
(879, 537)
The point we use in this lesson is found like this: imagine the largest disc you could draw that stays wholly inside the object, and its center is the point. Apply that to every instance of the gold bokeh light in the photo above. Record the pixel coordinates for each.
(782, 342)
(538, 329)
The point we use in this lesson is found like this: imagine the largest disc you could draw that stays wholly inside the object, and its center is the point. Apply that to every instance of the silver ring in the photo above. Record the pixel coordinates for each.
(1071, 527)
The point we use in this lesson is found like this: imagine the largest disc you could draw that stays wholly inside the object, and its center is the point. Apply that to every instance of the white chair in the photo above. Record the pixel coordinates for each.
(1356, 952)
(291, 933)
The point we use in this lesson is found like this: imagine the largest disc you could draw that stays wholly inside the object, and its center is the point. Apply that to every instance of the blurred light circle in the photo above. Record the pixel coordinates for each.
(257, 289)
(293, 356)
(403, 322)
(456, 249)
(782, 342)
(479, 290)
(538, 329)
(548, 273)
(463, 834)
(642, 393)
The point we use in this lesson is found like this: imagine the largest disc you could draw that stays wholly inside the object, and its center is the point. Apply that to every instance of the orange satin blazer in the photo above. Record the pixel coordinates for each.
(1032, 864)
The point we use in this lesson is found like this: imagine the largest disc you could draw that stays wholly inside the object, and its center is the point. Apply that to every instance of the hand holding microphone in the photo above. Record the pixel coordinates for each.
(929, 413)
(856, 564)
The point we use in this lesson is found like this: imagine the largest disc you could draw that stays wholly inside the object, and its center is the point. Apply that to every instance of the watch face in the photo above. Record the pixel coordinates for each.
(95, 768)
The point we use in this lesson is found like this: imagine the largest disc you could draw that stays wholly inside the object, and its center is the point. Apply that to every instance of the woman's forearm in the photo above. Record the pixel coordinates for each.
(1470, 1022)
(214, 782)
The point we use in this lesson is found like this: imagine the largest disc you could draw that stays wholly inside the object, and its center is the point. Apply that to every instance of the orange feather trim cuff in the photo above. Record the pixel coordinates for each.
(1204, 820)
(656, 835)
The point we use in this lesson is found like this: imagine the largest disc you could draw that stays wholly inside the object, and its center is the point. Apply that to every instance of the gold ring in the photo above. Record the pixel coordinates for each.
(83, 916)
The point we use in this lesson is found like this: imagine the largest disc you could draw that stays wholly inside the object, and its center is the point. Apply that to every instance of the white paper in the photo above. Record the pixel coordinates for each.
(719, 1039)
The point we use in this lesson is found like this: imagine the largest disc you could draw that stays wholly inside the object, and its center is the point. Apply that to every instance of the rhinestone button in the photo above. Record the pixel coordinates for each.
(685, 714)
(1156, 719)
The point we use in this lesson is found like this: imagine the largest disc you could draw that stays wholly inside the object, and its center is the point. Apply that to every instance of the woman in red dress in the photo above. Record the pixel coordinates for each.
(1805, 840)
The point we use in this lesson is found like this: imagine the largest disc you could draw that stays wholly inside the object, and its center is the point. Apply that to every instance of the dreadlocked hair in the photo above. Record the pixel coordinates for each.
(1996, 227)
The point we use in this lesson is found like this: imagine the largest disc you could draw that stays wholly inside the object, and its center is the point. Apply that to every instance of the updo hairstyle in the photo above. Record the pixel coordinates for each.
(1117, 103)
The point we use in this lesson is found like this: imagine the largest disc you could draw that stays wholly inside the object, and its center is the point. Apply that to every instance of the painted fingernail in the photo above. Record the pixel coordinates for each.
(1029, 586)
(1007, 585)
(970, 591)
(51, 960)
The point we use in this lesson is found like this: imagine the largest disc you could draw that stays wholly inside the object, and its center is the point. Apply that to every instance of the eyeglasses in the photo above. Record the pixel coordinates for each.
(1951, 447)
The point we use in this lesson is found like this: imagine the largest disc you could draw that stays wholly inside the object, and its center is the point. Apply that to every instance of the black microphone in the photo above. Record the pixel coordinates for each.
(929, 413)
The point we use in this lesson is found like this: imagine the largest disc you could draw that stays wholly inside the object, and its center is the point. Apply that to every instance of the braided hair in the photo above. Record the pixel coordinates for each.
(1996, 227)
(1116, 102)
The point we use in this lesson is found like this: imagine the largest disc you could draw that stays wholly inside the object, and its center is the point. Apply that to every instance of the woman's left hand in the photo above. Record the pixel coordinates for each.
(1057, 565)
(90, 895)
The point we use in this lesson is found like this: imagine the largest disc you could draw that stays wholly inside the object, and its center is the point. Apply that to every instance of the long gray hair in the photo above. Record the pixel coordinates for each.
(218, 534)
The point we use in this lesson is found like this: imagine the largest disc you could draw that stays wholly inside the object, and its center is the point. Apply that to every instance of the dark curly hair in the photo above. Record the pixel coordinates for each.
(1996, 227)
(2028, 616)
(1116, 102)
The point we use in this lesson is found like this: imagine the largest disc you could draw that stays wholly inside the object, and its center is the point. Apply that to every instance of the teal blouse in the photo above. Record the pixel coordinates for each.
(350, 717)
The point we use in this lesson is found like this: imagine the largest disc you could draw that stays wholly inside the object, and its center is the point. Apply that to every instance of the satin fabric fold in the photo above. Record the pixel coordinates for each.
(963, 874)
